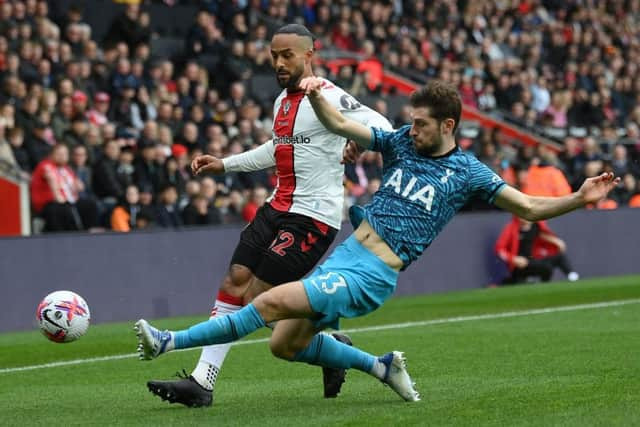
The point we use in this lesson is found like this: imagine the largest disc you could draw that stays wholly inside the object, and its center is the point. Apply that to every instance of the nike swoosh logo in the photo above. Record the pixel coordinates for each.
(45, 314)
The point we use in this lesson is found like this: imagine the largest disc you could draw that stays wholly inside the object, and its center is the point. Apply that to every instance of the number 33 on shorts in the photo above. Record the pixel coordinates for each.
(329, 283)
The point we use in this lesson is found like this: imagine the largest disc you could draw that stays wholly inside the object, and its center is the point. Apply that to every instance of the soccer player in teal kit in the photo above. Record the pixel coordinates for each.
(426, 180)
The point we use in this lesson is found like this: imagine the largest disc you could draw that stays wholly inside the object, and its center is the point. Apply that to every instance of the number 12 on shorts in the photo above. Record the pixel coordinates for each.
(282, 242)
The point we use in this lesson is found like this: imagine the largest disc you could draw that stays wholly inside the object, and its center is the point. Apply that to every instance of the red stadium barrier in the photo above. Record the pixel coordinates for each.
(14, 207)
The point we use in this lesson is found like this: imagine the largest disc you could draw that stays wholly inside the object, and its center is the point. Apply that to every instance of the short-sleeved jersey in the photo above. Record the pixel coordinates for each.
(419, 195)
(308, 156)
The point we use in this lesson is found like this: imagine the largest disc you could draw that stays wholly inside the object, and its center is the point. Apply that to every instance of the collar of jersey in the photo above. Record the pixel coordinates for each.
(447, 154)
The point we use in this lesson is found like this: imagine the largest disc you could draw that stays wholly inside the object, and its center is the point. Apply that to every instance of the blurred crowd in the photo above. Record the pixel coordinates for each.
(106, 127)
(565, 70)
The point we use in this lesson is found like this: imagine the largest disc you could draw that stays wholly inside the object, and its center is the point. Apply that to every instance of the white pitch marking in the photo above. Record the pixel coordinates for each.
(356, 330)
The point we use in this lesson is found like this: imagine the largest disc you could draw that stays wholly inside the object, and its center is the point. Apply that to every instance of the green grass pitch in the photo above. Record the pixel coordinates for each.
(556, 358)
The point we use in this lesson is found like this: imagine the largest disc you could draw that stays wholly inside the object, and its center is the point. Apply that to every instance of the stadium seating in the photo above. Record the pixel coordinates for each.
(411, 46)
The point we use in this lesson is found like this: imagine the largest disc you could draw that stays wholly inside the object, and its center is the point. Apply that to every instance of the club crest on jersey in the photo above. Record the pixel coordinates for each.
(286, 107)
(445, 178)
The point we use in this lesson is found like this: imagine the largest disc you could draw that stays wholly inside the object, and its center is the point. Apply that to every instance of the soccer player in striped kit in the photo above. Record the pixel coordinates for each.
(296, 226)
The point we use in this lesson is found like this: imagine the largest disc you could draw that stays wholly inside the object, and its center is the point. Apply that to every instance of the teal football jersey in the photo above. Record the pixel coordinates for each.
(419, 195)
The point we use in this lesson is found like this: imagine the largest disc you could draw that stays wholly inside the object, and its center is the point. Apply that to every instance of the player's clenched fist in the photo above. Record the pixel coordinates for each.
(207, 163)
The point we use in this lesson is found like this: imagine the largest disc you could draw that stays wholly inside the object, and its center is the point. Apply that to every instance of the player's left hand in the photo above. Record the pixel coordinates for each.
(350, 153)
(596, 188)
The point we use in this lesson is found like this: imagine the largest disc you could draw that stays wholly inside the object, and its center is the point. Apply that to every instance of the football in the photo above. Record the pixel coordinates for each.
(63, 316)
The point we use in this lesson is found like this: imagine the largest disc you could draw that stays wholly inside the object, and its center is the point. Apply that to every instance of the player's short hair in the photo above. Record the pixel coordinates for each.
(296, 29)
(441, 98)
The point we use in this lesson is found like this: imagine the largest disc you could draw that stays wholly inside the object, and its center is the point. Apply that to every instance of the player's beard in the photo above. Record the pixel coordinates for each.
(292, 81)
(431, 149)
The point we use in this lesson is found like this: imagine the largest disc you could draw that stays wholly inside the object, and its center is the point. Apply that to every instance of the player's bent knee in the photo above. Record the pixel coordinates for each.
(269, 306)
(239, 276)
(282, 302)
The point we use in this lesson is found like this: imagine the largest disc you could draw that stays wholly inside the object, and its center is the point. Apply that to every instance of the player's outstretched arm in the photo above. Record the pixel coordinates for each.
(534, 208)
(331, 118)
(259, 158)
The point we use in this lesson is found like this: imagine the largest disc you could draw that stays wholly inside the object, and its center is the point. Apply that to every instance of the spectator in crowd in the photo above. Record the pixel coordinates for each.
(37, 144)
(620, 163)
(6, 153)
(55, 194)
(558, 109)
(97, 115)
(125, 215)
(142, 109)
(191, 137)
(80, 166)
(543, 178)
(15, 138)
(236, 66)
(77, 133)
(27, 115)
(147, 200)
(199, 212)
(145, 219)
(172, 175)
(130, 27)
(125, 169)
(79, 103)
(192, 189)
(624, 194)
(147, 170)
(532, 251)
(258, 198)
(231, 210)
(208, 189)
(106, 184)
(61, 120)
(167, 214)
(371, 68)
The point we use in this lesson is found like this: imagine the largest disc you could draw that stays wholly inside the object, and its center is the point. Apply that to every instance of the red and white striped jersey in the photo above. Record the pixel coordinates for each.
(307, 155)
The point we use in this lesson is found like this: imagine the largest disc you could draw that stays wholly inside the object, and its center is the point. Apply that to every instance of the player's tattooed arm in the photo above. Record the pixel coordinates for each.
(331, 118)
